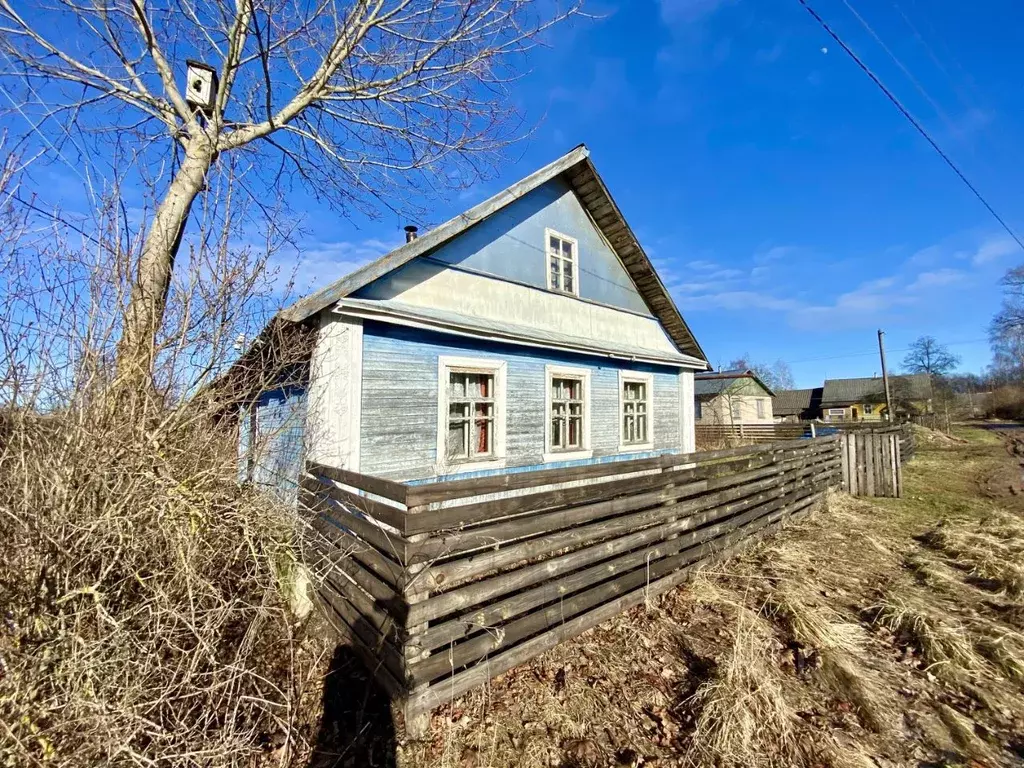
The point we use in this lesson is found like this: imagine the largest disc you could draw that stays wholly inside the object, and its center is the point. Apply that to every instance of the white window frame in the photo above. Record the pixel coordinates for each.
(761, 410)
(557, 372)
(647, 379)
(548, 234)
(498, 369)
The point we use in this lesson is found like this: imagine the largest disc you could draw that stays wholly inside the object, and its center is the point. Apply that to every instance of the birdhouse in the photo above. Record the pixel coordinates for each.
(200, 85)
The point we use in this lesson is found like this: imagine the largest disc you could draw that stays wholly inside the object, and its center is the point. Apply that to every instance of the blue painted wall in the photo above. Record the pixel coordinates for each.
(280, 443)
(510, 244)
(400, 390)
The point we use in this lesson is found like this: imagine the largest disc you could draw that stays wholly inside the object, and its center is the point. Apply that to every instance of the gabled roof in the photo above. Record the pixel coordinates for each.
(579, 171)
(717, 382)
(793, 402)
(917, 386)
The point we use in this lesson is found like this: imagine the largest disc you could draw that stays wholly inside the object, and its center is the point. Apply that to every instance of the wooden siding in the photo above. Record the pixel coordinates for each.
(400, 391)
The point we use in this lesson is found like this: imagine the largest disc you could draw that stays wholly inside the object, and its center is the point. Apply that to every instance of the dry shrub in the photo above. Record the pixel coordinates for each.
(743, 716)
(142, 595)
(142, 620)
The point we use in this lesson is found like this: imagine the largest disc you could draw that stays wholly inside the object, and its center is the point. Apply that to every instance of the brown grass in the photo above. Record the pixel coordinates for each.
(744, 717)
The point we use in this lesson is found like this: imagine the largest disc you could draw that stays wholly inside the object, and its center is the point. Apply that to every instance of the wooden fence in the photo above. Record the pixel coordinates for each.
(718, 434)
(871, 460)
(445, 585)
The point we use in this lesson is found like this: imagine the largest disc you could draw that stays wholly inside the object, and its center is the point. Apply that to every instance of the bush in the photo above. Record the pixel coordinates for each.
(1006, 403)
(143, 618)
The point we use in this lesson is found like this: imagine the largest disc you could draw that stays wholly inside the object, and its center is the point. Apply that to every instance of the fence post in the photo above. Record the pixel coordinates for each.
(813, 433)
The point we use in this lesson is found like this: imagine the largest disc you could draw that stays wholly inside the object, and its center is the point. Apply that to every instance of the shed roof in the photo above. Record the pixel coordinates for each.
(793, 402)
(916, 386)
(579, 171)
(716, 382)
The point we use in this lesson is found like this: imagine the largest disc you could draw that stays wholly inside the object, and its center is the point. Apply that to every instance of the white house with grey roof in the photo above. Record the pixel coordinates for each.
(530, 331)
(731, 398)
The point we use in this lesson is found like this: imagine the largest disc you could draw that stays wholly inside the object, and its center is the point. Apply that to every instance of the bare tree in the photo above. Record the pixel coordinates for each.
(1006, 332)
(777, 376)
(927, 355)
(348, 98)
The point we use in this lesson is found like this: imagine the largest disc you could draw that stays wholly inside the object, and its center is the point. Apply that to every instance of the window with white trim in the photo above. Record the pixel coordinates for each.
(563, 272)
(471, 411)
(736, 408)
(567, 415)
(636, 392)
(470, 416)
(760, 408)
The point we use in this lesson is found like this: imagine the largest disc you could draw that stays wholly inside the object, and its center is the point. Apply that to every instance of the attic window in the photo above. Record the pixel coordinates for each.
(563, 266)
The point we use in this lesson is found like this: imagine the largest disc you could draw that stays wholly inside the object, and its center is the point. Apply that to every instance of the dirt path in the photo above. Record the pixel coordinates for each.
(878, 633)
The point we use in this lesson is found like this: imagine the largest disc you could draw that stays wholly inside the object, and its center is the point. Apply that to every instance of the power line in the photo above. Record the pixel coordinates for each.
(874, 353)
(920, 129)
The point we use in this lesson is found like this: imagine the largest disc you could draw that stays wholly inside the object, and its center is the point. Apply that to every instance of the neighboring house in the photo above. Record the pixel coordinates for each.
(532, 331)
(731, 398)
(864, 399)
(793, 405)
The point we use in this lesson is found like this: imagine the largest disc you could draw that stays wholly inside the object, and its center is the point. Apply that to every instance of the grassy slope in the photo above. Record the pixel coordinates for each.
(882, 632)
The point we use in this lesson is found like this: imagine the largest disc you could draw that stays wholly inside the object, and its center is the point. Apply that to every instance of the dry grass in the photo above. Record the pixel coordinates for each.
(944, 643)
(744, 717)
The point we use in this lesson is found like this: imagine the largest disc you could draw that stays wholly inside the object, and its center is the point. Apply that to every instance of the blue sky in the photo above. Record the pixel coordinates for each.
(790, 208)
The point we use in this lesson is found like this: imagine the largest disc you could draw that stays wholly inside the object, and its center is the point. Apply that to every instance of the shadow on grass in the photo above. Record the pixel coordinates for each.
(356, 729)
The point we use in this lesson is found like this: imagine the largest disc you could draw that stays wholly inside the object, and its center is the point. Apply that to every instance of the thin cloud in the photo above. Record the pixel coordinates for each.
(994, 249)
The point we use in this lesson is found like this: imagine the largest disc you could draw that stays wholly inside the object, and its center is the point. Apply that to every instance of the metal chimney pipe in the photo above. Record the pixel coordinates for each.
(410, 233)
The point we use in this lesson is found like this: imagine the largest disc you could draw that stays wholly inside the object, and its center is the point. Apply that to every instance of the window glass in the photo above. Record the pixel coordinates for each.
(470, 415)
(561, 264)
(566, 413)
(634, 412)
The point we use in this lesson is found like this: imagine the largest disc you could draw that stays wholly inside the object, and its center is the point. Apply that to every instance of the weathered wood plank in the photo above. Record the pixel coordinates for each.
(676, 471)
(385, 513)
(380, 564)
(461, 682)
(427, 493)
(375, 485)
(392, 545)
(378, 649)
(717, 505)
(493, 614)
(458, 541)
(476, 565)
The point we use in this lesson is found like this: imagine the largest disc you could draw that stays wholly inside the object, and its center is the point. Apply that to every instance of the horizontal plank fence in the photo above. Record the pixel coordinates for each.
(443, 585)
(718, 434)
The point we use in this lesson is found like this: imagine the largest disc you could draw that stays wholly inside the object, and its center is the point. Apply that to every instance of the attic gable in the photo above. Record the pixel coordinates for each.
(579, 173)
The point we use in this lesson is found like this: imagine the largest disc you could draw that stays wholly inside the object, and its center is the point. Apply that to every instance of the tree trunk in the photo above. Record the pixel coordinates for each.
(136, 350)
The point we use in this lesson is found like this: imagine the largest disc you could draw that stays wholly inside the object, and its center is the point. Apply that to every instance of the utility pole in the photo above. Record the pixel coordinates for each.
(885, 376)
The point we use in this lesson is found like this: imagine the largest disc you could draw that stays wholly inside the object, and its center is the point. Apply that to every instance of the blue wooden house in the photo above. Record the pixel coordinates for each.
(529, 332)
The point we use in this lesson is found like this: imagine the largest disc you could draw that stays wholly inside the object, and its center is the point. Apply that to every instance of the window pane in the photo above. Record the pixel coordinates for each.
(575, 431)
(641, 429)
(458, 440)
(566, 249)
(555, 272)
(458, 411)
(457, 384)
(483, 436)
(556, 434)
(554, 244)
(567, 280)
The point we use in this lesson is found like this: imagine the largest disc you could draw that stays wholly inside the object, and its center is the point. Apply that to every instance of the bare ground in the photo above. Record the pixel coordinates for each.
(875, 633)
